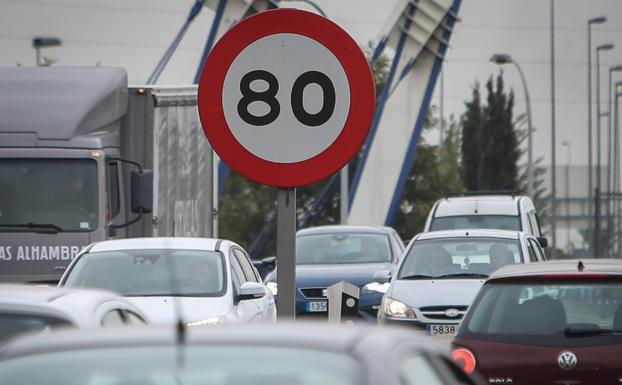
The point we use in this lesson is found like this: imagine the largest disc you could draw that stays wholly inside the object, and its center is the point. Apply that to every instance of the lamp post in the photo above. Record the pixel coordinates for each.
(594, 20)
(507, 59)
(610, 149)
(567, 185)
(616, 173)
(597, 237)
(44, 42)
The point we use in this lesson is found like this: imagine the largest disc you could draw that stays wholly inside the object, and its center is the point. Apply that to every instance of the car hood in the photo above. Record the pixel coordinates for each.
(358, 274)
(162, 310)
(438, 292)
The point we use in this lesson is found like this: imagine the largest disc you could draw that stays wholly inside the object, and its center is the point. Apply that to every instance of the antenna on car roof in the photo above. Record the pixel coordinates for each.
(580, 266)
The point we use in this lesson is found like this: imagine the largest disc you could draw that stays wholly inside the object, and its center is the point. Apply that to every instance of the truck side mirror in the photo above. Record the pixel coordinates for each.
(142, 191)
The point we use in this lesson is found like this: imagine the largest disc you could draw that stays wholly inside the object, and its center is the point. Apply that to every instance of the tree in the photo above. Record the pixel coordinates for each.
(490, 147)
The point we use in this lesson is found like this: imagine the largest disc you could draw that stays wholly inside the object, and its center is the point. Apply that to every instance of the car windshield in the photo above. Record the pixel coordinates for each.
(454, 257)
(13, 324)
(58, 192)
(151, 272)
(342, 248)
(213, 365)
(502, 222)
(545, 313)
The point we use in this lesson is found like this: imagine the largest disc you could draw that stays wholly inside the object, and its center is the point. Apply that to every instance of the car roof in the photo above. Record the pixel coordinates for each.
(317, 336)
(478, 205)
(209, 244)
(566, 267)
(462, 233)
(342, 229)
(75, 304)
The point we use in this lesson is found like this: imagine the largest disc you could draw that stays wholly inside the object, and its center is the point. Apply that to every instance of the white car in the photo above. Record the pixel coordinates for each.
(200, 281)
(473, 210)
(442, 271)
(36, 309)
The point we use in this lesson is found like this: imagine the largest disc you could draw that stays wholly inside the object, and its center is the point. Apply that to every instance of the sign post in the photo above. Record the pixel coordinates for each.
(286, 98)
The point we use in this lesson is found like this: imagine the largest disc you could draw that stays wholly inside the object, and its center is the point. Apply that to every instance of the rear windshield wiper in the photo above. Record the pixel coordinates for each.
(583, 332)
(464, 275)
(37, 227)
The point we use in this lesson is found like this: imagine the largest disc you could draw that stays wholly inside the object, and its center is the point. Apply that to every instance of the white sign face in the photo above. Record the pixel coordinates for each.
(286, 98)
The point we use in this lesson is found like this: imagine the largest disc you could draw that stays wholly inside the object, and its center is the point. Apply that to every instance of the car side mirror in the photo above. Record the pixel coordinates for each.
(251, 290)
(141, 191)
(543, 241)
(383, 276)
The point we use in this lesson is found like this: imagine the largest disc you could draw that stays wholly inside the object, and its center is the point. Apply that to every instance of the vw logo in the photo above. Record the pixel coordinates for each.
(567, 360)
(451, 313)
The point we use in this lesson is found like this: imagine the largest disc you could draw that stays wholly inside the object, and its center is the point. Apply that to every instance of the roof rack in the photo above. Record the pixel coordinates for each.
(512, 193)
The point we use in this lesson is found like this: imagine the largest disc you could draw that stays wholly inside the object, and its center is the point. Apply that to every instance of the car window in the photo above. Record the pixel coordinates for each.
(132, 318)
(250, 273)
(342, 248)
(157, 365)
(113, 318)
(458, 256)
(417, 370)
(113, 187)
(237, 274)
(14, 324)
(151, 272)
(546, 312)
(533, 222)
(502, 222)
(537, 249)
(532, 253)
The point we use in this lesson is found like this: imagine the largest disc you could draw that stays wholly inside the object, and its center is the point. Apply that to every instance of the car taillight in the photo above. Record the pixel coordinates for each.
(465, 359)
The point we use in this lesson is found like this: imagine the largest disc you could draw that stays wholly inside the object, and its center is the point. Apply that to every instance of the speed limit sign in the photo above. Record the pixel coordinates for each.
(286, 98)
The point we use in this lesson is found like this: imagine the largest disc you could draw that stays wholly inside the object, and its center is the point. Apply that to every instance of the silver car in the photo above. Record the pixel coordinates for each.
(442, 271)
(201, 281)
(253, 354)
(38, 309)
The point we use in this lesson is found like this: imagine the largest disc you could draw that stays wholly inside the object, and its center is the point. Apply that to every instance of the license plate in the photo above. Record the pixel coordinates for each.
(317, 306)
(441, 330)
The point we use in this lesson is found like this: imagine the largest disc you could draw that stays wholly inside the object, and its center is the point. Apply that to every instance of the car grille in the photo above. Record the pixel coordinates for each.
(440, 312)
(313, 292)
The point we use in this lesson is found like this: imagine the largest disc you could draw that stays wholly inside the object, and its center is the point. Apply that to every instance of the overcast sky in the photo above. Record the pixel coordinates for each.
(134, 34)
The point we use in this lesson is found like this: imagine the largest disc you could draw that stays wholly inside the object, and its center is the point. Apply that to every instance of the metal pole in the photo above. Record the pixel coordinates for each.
(529, 133)
(589, 125)
(567, 185)
(344, 190)
(38, 56)
(553, 141)
(617, 169)
(286, 252)
(597, 191)
(442, 106)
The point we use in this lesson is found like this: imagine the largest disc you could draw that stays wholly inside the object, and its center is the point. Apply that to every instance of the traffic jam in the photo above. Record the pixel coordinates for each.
(290, 217)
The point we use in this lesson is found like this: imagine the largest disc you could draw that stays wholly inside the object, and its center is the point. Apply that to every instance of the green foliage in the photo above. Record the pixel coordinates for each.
(490, 147)
(435, 171)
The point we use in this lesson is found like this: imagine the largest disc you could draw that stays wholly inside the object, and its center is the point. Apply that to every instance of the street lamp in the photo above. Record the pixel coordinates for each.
(502, 59)
(44, 42)
(594, 20)
(567, 185)
(602, 47)
(610, 149)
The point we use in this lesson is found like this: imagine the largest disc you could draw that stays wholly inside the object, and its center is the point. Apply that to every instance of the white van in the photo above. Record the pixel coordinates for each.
(507, 211)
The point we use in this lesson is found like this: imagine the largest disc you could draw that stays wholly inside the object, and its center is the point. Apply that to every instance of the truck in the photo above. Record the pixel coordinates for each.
(84, 157)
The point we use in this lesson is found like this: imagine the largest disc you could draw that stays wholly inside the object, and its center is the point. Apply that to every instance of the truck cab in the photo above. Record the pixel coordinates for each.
(77, 147)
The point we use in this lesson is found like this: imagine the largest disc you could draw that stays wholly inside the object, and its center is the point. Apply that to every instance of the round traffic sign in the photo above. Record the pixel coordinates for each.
(286, 97)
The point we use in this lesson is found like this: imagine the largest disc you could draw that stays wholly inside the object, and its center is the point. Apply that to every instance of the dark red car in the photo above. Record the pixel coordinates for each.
(557, 322)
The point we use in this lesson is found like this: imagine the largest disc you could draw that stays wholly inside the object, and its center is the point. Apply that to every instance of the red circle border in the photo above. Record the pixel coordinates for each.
(356, 127)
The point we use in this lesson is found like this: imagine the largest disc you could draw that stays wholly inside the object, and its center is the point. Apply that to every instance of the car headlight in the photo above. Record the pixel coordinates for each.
(375, 287)
(273, 287)
(397, 309)
(212, 321)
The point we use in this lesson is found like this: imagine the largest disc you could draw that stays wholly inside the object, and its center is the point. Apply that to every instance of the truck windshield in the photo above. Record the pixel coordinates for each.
(58, 194)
